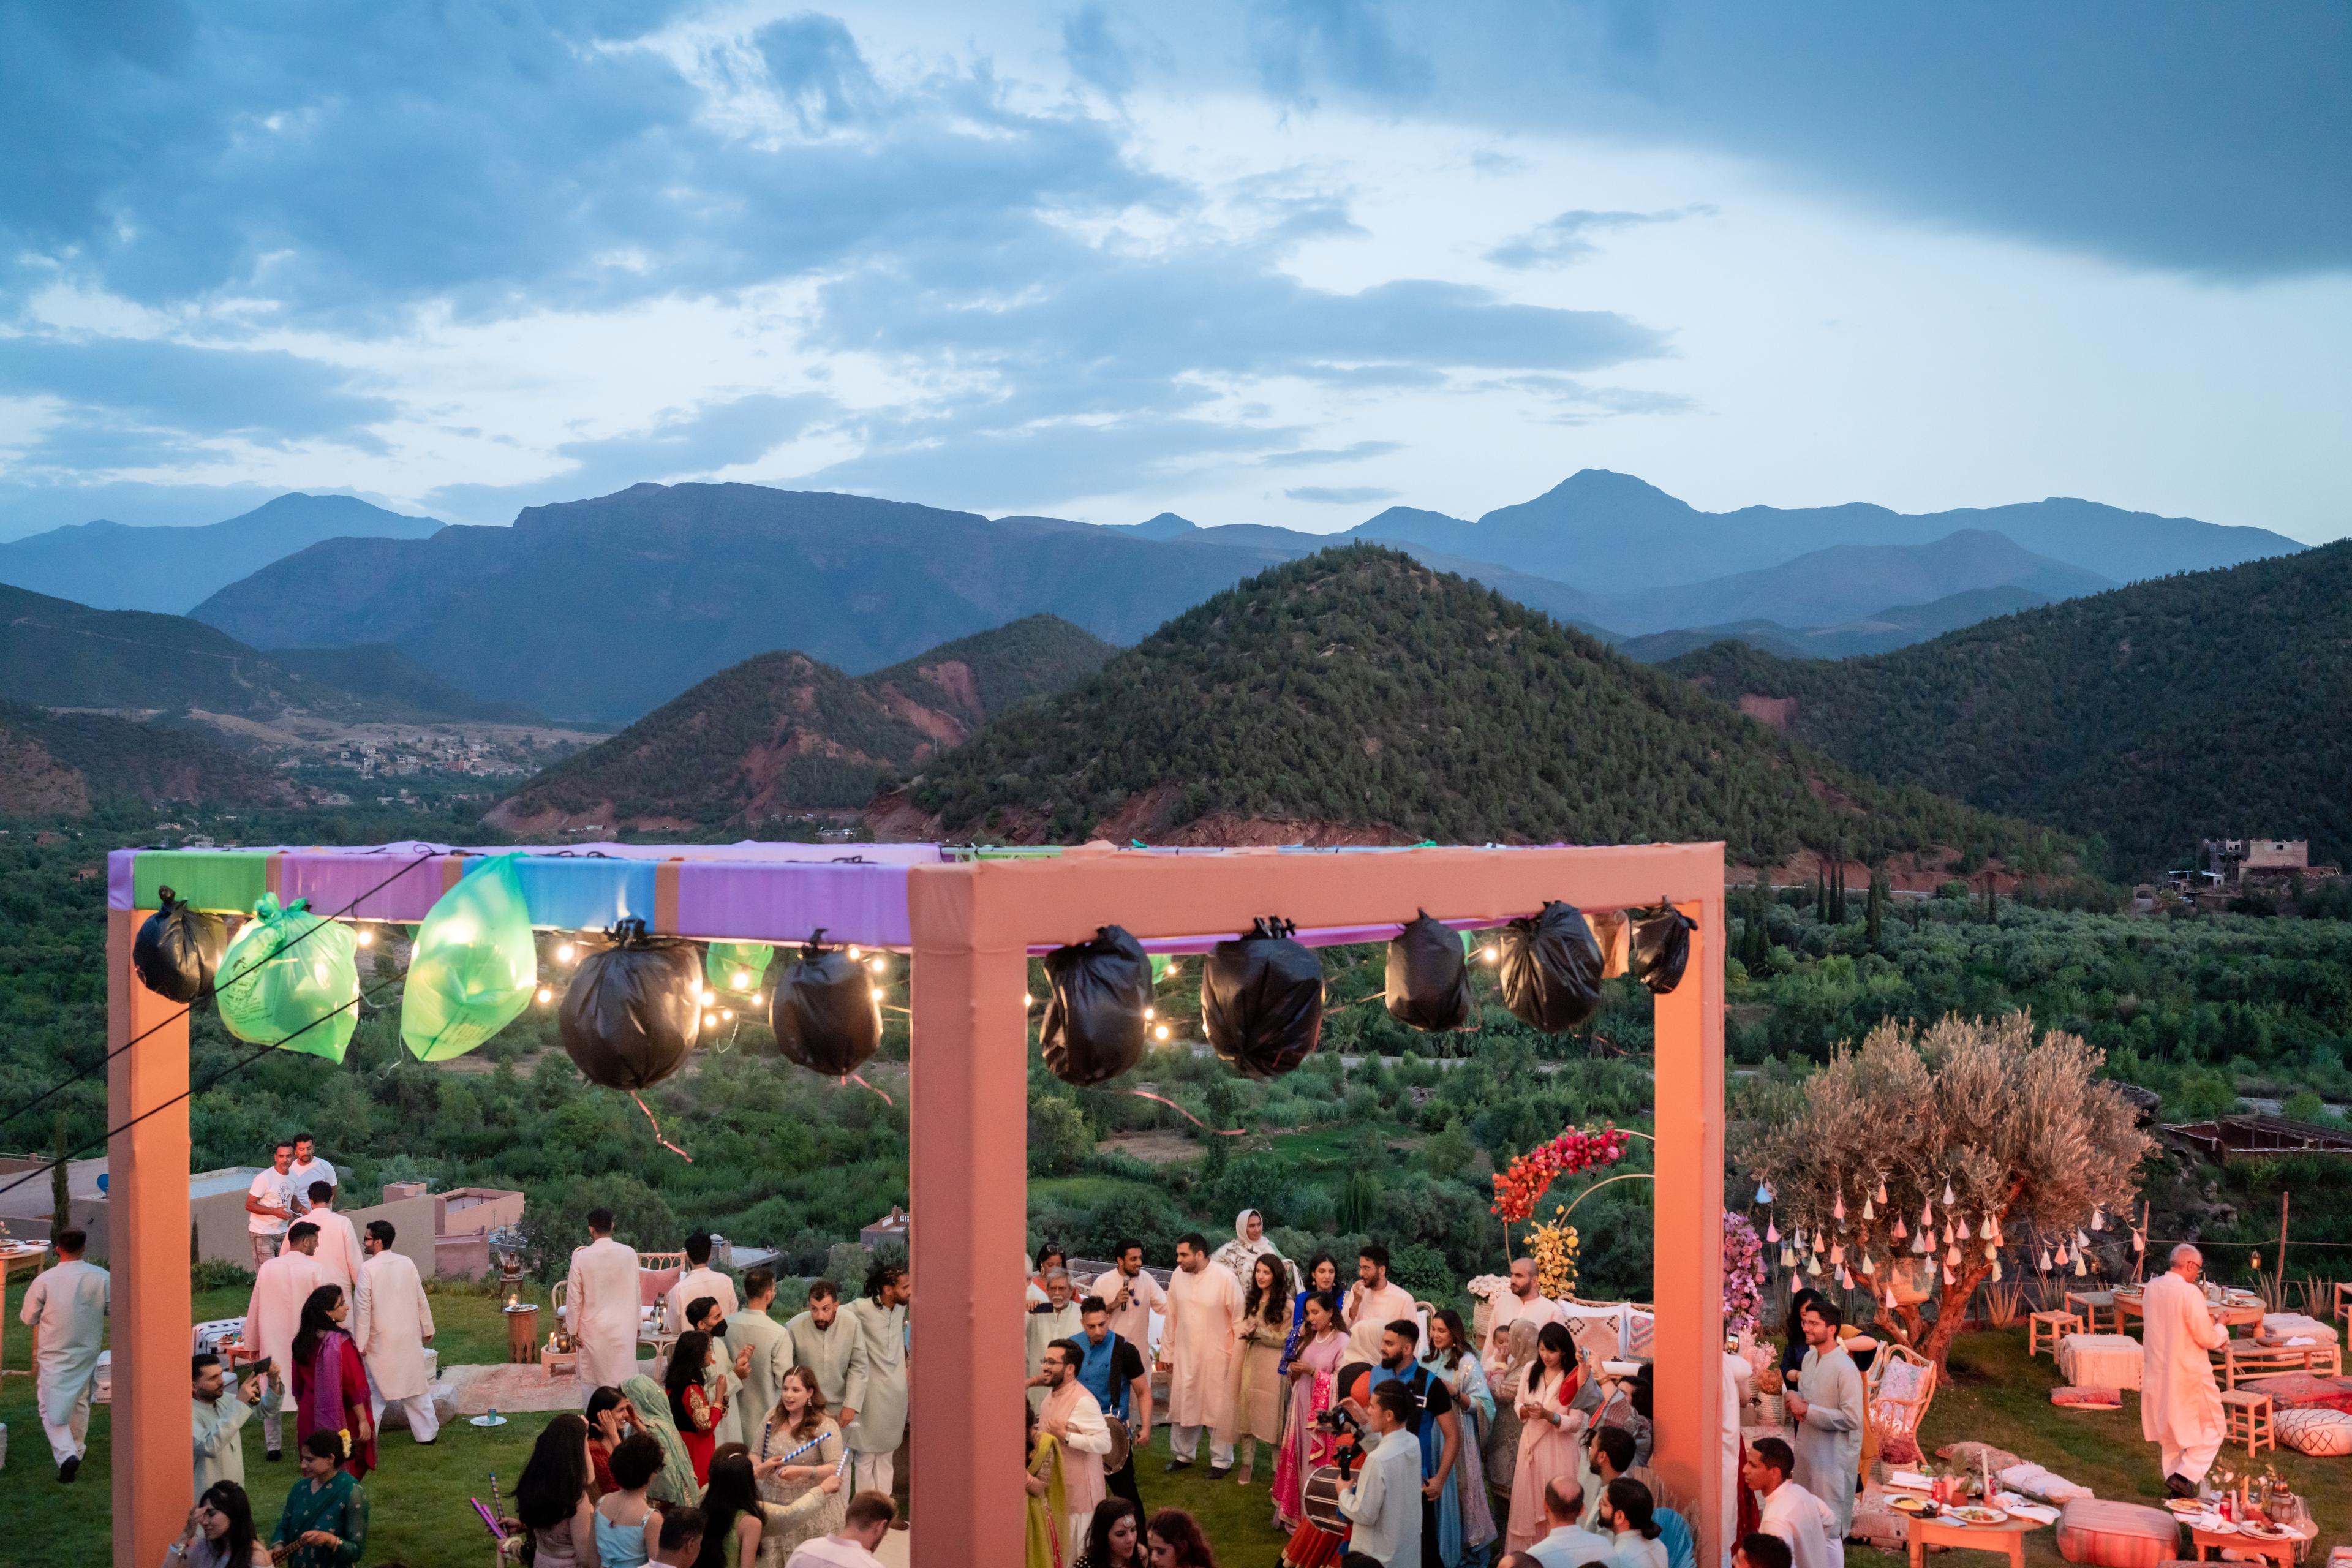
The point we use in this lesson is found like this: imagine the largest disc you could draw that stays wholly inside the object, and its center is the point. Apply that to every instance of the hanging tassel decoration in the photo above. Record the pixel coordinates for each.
(2081, 1241)
(1926, 1215)
(1992, 1253)
(1947, 1194)
(1837, 1209)
(1949, 1277)
(1951, 1256)
(2099, 1217)
(2079, 1270)
(1789, 1257)
(1763, 1192)
(1880, 1194)
(1813, 1266)
(2043, 1264)
(2062, 1255)
(1901, 1230)
(1867, 1211)
(1837, 1257)
(1772, 1231)
(1996, 1270)
(1964, 1228)
(2139, 1241)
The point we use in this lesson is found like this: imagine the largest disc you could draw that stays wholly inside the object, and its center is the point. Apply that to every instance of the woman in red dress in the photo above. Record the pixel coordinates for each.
(691, 1408)
(331, 1388)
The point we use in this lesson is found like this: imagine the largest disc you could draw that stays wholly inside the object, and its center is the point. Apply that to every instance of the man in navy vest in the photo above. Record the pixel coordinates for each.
(1114, 1373)
(1432, 1421)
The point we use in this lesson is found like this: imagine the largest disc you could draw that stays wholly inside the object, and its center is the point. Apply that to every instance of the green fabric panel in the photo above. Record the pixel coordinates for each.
(225, 881)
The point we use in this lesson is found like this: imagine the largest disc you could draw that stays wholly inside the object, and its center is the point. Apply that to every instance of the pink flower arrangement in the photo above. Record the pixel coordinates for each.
(1521, 1185)
(1743, 1273)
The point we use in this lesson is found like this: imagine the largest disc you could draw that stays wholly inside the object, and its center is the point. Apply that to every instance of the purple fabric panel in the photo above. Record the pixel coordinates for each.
(864, 904)
(119, 863)
(341, 883)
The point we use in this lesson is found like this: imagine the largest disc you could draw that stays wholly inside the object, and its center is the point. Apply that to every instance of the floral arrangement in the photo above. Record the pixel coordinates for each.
(1518, 1188)
(1552, 1244)
(1743, 1275)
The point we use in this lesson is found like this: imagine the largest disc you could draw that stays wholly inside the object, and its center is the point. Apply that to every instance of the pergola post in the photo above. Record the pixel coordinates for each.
(969, 1218)
(147, 1247)
(1686, 1229)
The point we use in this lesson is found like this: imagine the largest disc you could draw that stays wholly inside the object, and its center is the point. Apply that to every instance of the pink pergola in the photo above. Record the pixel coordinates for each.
(970, 923)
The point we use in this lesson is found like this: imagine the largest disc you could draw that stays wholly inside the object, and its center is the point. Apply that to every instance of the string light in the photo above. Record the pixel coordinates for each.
(705, 996)
(563, 951)
(1150, 1012)
(710, 1020)
(854, 955)
(742, 979)
(365, 936)
(546, 994)
(728, 1014)
(758, 998)
(1161, 1032)
(876, 965)
(1487, 955)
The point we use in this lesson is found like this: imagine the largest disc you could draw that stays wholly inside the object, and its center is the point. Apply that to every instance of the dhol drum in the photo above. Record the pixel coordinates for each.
(1122, 1445)
(1321, 1500)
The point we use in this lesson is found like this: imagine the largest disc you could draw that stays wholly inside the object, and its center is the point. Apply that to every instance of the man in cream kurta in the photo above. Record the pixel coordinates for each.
(1197, 1345)
(873, 1403)
(1069, 1411)
(1827, 1410)
(2180, 1406)
(601, 1301)
(272, 1315)
(1056, 1319)
(66, 1306)
(218, 1417)
(822, 1342)
(698, 1281)
(338, 1255)
(771, 1349)
(390, 1323)
(1131, 1295)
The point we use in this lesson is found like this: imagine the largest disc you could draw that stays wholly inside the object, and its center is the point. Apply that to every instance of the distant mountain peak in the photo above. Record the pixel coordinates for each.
(1166, 525)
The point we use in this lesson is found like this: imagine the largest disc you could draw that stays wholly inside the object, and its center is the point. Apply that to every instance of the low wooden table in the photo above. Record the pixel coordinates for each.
(522, 1334)
(30, 1257)
(2284, 1552)
(2008, 1537)
(2230, 1316)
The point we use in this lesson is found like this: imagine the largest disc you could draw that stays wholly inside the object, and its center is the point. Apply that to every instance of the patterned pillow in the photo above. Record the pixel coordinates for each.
(2324, 1433)
(2299, 1390)
(2086, 1398)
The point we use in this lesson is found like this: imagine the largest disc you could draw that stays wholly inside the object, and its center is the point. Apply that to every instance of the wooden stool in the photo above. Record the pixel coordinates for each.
(522, 1334)
(2247, 1418)
(2044, 1330)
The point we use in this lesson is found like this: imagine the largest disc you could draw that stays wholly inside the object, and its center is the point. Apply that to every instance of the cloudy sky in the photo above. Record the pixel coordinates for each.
(1287, 262)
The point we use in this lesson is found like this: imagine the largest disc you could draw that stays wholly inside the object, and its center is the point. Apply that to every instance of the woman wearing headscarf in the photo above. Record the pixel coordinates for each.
(649, 1411)
(1248, 1244)
(1453, 1358)
(1502, 1450)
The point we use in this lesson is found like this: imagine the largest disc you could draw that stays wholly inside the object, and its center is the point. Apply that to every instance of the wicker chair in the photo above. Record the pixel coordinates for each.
(1894, 1411)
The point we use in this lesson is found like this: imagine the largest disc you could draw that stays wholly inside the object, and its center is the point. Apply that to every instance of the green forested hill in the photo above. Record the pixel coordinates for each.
(1358, 688)
(783, 731)
(63, 765)
(2209, 703)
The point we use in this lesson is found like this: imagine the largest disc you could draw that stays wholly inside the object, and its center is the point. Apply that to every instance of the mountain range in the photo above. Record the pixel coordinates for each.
(781, 733)
(114, 567)
(1358, 696)
(2210, 704)
(1899, 626)
(66, 764)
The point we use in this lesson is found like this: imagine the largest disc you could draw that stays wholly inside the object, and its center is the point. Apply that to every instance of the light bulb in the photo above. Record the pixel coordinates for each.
(854, 953)
(728, 1014)
(563, 951)
(758, 998)
(1027, 1000)
(1172, 967)
(742, 979)
(1162, 1031)
(1150, 1012)
(876, 965)
(366, 936)
(710, 1020)
(707, 997)
(546, 994)
(1487, 955)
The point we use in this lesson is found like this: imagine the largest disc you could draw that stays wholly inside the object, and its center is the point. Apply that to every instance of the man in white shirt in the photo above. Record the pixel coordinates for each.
(390, 1322)
(852, 1545)
(769, 1346)
(697, 1279)
(339, 1256)
(269, 1205)
(1791, 1512)
(1384, 1499)
(1569, 1544)
(218, 1418)
(1130, 1295)
(307, 1168)
(600, 1302)
(66, 1306)
(1373, 1304)
(1523, 1299)
(272, 1317)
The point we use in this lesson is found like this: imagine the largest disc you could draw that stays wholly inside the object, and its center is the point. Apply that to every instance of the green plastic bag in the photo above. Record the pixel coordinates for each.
(737, 966)
(292, 970)
(474, 967)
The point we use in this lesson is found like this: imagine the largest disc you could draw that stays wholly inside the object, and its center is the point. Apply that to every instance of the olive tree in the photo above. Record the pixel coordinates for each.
(1981, 1128)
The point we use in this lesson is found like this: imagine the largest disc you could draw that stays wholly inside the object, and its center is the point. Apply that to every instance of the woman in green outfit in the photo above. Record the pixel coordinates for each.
(325, 1524)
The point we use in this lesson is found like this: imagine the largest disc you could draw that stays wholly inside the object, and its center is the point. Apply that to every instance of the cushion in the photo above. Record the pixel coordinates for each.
(2299, 1390)
(1901, 1381)
(2116, 1535)
(2324, 1433)
(2291, 1325)
(1902, 1448)
(1975, 1456)
(2099, 1361)
(2086, 1398)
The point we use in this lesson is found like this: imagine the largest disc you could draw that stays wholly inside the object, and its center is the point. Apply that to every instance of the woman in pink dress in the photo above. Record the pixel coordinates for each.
(1547, 1433)
(1314, 1388)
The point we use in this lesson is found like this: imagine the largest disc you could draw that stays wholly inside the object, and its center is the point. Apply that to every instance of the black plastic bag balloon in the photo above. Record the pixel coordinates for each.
(827, 1012)
(1262, 1000)
(1660, 949)
(178, 949)
(1550, 969)
(1098, 994)
(1429, 982)
(634, 1010)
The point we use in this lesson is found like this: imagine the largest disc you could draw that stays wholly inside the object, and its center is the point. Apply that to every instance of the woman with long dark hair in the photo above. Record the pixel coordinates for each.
(1314, 1388)
(1115, 1539)
(330, 1388)
(790, 1470)
(1547, 1433)
(691, 1409)
(1453, 1358)
(551, 1498)
(1176, 1541)
(1321, 1277)
(220, 1532)
(1257, 1363)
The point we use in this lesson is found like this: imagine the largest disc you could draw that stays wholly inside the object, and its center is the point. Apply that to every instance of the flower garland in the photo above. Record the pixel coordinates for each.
(1521, 1185)
(1553, 1246)
(1743, 1275)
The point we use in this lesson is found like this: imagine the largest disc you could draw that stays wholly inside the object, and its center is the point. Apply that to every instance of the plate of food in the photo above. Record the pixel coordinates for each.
(1913, 1506)
(2263, 1530)
(2186, 1506)
(1976, 1513)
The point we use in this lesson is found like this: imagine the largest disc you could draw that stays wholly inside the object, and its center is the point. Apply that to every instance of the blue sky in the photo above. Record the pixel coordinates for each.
(1287, 262)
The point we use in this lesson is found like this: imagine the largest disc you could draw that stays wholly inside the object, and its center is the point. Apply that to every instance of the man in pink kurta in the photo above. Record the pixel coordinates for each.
(280, 1286)
(1197, 1344)
(1071, 1415)
(1373, 1304)
(2179, 1405)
